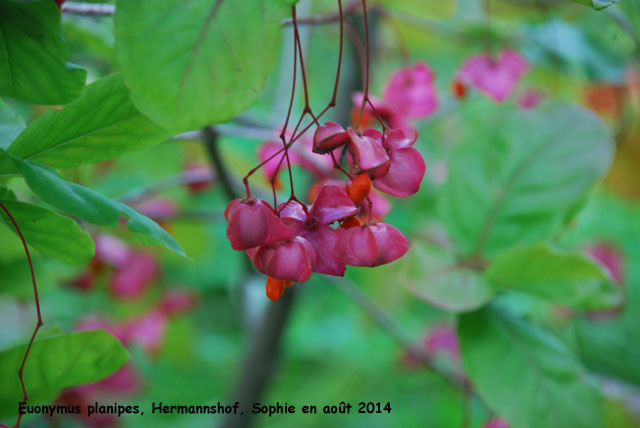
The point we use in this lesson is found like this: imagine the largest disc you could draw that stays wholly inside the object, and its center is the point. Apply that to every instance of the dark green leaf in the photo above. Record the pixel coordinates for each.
(509, 187)
(58, 362)
(100, 124)
(89, 205)
(32, 54)
(525, 374)
(216, 68)
(569, 279)
(53, 235)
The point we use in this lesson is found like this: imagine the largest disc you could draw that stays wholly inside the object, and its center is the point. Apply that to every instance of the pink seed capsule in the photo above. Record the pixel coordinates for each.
(329, 136)
(371, 245)
(292, 260)
(252, 222)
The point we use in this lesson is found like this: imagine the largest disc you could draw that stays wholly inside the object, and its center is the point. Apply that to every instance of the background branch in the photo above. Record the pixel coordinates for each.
(261, 359)
(88, 9)
(386, 323)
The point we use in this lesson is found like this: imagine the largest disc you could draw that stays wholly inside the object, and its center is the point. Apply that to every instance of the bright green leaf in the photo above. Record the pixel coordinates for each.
(33, 55)
(54, 235)
(89, 205)
(58, 362)
(439, 279)
(100, 124)
(10, 125)
(215, 69)
(525, 374)
(507, 186)
(569, 279)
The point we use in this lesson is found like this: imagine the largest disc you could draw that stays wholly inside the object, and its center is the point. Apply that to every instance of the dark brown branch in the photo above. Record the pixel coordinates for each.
(210, 137)
(261, 360)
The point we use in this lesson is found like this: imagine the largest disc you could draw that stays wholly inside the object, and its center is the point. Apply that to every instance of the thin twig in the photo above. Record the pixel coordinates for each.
(39, 323)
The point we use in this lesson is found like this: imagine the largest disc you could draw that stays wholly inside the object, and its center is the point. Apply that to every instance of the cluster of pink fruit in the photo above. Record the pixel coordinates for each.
(340, 227)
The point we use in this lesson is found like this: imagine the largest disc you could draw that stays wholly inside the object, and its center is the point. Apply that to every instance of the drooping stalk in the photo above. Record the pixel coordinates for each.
(39, 323)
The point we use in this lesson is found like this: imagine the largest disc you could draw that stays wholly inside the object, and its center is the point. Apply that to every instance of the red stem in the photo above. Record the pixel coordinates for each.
(332, 103)
(367, 74)
(37, 300)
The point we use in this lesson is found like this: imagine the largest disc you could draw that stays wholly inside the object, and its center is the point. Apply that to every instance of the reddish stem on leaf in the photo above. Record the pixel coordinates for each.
(37, 300)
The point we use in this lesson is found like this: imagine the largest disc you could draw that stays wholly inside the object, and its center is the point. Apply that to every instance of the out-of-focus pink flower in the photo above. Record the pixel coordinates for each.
(81, 396)
(497, 78)
(253, 222)
(291, 260)
(387, 113)
(278, 163)
(147, 331)
(301, 153)
(318, 164)
(610, 258)
(530, 99)
(176, 302)
(111, 250)
(496, 423)
(125, 381)
(371, 245)
(158, 208)
(97, 323)
(412, 92)
(133, 278)
(443, 339)
(197, 177)
(84, 281)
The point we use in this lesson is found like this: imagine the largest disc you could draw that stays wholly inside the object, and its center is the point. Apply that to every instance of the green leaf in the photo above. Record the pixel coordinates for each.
(10, 125)
(525, 374)
(570, 279)
(599, 340)
(440, 280)
(100, 124)
(421, 9)
(597, 4)
(507, 186)
(58, 362)
(216, 68)
(89, 205)
(50, 233)
(32, 54)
